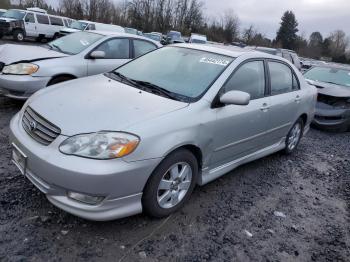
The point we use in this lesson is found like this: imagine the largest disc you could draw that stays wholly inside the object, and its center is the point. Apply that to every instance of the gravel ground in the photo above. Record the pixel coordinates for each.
(279, 208)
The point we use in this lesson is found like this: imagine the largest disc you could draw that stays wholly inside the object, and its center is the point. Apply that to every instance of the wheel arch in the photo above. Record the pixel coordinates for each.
(61, 75)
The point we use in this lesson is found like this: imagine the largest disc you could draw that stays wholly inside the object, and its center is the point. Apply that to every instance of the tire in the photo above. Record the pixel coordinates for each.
(1, 36)
(39, 39)
(59, 79)
(19, 35)
(158, 202)
(294, 136)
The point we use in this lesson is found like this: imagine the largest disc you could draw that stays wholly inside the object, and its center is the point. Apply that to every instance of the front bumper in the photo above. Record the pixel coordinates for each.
(330, 118)
(54, 174)
(21, 86)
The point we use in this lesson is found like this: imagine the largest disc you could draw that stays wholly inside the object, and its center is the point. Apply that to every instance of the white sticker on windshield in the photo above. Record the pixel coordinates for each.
(214, 61)
(84, 42)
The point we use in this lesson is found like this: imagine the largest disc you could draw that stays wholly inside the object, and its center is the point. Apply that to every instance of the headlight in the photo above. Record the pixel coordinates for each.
(100, 145)
(20, 69)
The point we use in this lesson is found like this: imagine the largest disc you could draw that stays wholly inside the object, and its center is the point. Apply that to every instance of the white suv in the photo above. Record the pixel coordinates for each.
(33, 22)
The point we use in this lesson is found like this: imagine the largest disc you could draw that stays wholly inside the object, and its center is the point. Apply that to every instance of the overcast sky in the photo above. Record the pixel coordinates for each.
(313, 15)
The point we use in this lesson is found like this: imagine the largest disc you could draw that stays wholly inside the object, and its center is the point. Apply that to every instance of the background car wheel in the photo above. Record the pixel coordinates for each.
(171, 184)
(18, 35)
(294, 136)
(59, 79)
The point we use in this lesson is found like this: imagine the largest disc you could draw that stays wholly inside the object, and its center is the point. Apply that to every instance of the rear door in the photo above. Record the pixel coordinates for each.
(285, 97)
(240, 130)
(30, 25)
(43, 25)
(117, 52)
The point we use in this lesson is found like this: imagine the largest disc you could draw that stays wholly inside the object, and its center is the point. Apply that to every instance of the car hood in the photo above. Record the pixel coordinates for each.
(331, 89)
(10, 54)
(98, 103)
(5, 19)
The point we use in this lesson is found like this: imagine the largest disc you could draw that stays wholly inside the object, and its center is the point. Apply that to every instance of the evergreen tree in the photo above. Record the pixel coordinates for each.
(287, 34)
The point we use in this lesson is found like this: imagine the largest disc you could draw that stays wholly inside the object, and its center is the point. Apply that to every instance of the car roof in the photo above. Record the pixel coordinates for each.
(333, 65)
(111, 33)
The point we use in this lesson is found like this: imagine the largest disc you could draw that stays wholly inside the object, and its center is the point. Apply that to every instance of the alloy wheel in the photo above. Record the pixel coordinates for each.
(174, 185)
(294, 136)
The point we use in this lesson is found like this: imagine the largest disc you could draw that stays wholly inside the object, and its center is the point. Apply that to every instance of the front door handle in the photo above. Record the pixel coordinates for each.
(297, 99)
(264, 107)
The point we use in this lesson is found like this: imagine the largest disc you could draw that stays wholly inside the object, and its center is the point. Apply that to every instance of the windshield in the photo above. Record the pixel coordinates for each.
(183, 71)
(78, 25)
(1, 13)
(198, 41)
(130, 31)
(174, 35)
(74, 43)
(15, 14)
(153, 37)
(329, 75)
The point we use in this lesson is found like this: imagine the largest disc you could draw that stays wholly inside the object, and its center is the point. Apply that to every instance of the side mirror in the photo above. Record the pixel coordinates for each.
(97, 54)
(235, 98)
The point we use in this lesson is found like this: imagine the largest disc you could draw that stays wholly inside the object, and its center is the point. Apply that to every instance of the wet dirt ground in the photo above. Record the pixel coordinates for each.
(279, 208)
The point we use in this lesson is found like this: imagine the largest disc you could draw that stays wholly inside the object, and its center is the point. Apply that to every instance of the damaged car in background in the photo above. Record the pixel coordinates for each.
(26, 69)
(333, 101)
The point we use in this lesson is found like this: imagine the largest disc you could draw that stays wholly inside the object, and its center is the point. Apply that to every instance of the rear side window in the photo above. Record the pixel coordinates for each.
(29, 18)
(115, 48)
(250, 78)
(142, 47)
(91, 27)
(283, 79)
(43, 19)
(56, 21)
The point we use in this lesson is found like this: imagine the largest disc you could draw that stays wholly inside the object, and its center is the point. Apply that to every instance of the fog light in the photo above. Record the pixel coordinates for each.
(86, 199)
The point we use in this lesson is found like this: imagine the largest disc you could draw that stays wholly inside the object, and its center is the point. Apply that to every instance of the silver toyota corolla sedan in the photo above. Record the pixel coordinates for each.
(26, 69)
(140, 138)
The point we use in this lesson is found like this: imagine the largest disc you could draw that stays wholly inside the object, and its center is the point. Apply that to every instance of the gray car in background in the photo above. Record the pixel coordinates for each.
(141, 137)
(26, 69)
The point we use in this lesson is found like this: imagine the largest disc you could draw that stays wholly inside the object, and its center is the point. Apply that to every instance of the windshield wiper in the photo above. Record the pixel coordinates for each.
(158, 89)
(143, 85)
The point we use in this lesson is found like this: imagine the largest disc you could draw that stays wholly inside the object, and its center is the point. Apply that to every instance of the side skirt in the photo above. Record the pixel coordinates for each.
(209, 175)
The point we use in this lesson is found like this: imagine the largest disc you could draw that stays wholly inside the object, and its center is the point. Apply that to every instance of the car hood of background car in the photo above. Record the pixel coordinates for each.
(10, 54)
(97, 103)
(331, 89)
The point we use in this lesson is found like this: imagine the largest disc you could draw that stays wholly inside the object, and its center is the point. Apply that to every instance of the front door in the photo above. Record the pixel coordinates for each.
(30, 25)
(240, 130)
(117, 53)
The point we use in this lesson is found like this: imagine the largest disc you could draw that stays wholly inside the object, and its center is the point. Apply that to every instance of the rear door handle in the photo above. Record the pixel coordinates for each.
(264, 107)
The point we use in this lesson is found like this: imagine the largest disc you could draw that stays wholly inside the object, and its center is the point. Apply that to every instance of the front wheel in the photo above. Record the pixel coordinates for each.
(171, 184)
(294, 136)
(18, 35)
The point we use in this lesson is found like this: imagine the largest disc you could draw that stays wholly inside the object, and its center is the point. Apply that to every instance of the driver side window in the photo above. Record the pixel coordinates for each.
(30, 18)
(115, 48)
(249, 78)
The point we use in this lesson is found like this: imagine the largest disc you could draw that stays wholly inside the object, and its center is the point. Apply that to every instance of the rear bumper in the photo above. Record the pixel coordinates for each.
(21, 87)
(332, 118)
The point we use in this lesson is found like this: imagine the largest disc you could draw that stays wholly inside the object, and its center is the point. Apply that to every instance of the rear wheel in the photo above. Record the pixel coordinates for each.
(18, 35)
(59, 79)
(294, 136)
(171, 184)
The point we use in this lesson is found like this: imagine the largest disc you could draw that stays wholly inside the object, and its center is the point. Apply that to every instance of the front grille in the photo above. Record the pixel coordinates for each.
(39, 128)
(331, 118)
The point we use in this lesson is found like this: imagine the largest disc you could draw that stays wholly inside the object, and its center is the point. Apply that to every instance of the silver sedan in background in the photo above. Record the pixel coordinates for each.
(26, 69)
(141, 137)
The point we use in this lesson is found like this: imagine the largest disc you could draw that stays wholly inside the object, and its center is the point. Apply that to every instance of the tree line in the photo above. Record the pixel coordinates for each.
(187, 16)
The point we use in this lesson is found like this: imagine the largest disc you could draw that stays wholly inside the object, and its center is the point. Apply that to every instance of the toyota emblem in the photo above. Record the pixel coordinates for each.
(32, 125)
